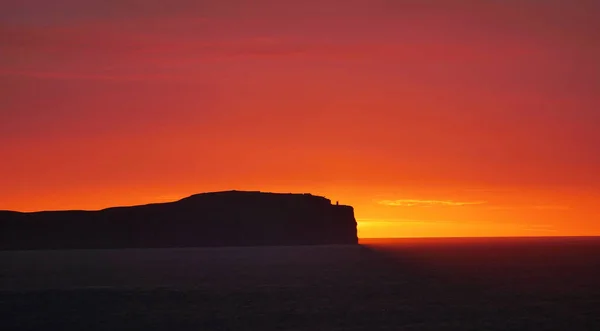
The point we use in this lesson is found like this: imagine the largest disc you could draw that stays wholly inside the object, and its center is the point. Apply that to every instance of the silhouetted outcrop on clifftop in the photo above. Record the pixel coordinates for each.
(231, 218)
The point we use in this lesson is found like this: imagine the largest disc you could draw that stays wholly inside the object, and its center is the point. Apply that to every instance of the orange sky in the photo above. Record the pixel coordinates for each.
(431, 118)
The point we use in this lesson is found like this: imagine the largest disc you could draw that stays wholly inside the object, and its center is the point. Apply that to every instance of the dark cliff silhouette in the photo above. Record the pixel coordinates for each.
(232, 218)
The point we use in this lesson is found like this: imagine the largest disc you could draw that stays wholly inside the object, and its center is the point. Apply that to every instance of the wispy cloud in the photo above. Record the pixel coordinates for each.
(551, 207)
(407, 227)
(428, 203)
(536, 207)
(540, 228)
(383, 221)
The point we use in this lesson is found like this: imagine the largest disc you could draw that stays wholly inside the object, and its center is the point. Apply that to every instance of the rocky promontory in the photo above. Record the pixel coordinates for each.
(230, 218)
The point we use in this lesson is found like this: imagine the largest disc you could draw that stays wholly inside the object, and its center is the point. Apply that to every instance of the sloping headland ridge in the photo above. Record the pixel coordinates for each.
(230, 218)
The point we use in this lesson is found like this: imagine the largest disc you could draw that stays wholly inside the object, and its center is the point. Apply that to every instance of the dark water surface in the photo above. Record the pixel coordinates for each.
(404, 284)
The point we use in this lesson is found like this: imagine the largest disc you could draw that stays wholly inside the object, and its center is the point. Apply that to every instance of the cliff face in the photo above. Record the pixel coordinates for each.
(231, 218)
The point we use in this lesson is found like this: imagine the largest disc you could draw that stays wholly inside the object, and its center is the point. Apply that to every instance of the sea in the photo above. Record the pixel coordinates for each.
(548, 283)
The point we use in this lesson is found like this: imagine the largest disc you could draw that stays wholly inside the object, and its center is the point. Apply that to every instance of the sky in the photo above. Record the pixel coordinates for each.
(431, 118)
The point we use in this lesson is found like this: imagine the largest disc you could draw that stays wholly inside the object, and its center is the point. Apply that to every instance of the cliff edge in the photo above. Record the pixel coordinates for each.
(231, 218)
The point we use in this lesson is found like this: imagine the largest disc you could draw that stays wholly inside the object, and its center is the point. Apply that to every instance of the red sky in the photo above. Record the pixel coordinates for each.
(431, 118)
